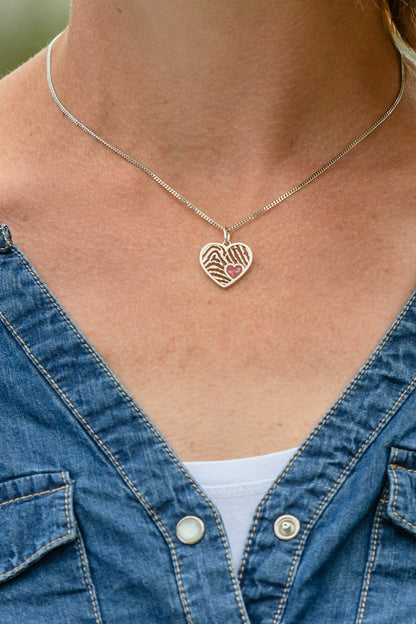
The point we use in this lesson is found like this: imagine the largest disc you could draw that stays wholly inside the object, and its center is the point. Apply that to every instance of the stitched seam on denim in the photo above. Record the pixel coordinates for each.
(13, 500)
(329, 494)
(29, 559)
(370, 564)
(397, 467)
(68, 518)
(152, 513)
(46, 547)
(145, 421)
(396, 488)
(413, 526)
(8, 242)
(396, 493)
(87, 581)
(316, 430)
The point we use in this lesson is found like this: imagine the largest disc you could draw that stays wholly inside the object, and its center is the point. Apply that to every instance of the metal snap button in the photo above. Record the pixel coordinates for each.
(286, 527)
(190, 530)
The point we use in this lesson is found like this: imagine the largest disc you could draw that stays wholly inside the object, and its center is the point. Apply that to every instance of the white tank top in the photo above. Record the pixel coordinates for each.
(236, 487)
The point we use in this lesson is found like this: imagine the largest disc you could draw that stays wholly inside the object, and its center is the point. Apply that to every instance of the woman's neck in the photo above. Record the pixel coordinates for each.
(201, 84)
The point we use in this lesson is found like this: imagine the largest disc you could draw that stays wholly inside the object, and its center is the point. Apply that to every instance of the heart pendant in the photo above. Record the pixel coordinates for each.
(225, 263)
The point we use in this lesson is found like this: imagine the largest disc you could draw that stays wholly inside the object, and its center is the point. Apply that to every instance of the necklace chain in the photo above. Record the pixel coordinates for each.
(186, 202)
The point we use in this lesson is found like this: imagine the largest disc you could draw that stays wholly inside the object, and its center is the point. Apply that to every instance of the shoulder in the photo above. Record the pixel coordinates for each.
(27, 136)
(20, 114)
(407, 108)
(22, 100)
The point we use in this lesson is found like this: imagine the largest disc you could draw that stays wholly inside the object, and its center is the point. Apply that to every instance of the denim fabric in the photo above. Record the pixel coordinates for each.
(91, 493)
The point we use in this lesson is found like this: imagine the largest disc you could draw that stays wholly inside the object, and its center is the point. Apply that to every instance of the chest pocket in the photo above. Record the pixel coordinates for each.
(389, 588)
(401, 507)
(44, 573)
(35, 517)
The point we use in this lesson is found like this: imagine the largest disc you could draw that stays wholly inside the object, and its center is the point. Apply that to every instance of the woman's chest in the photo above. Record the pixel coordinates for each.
(221, 374)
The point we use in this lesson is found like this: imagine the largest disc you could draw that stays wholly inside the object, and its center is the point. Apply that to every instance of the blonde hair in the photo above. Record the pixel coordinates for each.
(400, 17)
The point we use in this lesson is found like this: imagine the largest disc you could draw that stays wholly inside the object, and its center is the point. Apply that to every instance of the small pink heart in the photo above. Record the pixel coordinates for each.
(234, 270)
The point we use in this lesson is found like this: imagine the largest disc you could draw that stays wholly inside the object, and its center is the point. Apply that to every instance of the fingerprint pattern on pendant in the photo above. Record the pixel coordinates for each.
(225, 264)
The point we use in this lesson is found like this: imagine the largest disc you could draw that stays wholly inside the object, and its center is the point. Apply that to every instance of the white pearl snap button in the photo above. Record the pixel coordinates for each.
(190, 530)
(286, 527)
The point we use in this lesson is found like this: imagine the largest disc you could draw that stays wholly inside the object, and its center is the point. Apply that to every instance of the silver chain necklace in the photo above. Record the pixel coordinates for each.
(226, 262)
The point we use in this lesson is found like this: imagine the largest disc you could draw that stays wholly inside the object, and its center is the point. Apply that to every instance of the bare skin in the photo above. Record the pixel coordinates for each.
(232, 105)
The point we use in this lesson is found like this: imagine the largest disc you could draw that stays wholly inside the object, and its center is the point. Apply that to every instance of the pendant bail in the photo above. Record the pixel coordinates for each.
(227, 236)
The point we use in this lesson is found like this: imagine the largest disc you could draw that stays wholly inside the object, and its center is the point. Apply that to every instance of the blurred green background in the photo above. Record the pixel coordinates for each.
(26, 26)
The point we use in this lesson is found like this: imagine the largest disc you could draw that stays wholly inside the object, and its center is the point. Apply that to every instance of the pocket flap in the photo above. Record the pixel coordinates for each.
(401, 507)
(36, 515)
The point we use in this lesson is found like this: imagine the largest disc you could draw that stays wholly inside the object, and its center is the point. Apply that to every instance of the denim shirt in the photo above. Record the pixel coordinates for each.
(91, 494)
